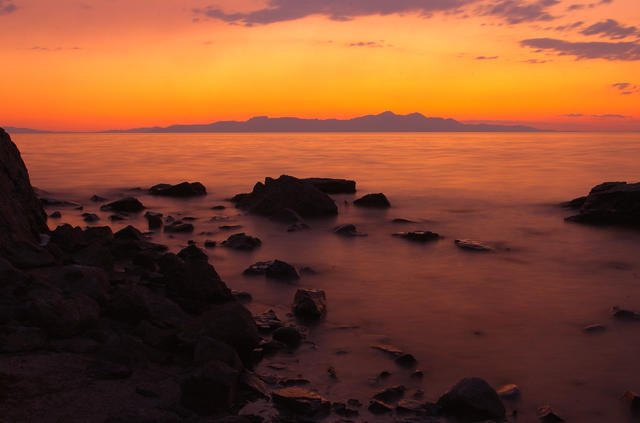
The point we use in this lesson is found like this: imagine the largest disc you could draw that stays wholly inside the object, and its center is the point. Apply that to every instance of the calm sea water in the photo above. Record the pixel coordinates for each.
(512, 316)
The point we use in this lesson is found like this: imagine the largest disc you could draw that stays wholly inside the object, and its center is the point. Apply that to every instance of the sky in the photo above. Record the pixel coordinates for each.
(92, 65)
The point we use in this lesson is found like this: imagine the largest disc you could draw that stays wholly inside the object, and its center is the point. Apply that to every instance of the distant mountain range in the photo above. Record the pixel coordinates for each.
(384, 122)
(12, 130)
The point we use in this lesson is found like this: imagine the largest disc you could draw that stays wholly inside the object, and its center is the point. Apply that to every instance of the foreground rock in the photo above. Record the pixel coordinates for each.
(209, 388)
(309, 303)
(472, 399)
(300, 401)
(608, 203)
(21, 213)
(277, 194)
(184, 189)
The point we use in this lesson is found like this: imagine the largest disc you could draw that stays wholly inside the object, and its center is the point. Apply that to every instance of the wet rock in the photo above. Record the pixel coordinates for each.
(509, 392)
(418, 236)
(26, 255)
(76, 279)
(403, 220)
(309, 303)
(410, 406)
(179, 227)
(288, 335)
(468, 244)
(127, 204)
(548, 414)
(253, 383)
(286, 215)
(392, 394)
(287, 192)
(609, 203)
(99, 234)
(242, 297)
(130, 233)
(281, 270)
(184, 189)
(55, 215)
(472, 399)
(22, 214)
(347, 230)
(18, 339)
(298, 226)
(333, 186)
(209, 388)
(271, 345)
(65, 317)
(396, 352)
(90, 217)
(373, 200)
(70, 239)
(340, 408)
(95, 255)
(633, 401)
(154, 219)
(230, 323)
(229, 227)
(268, 321)
(406, 360)
(119, 216)
(218, 208)
(241, 242)
(300, 401)
(97, 198)
(622, 314)
(594, 328)
(209, 243)
(379, 407)
(258, 268)
(210, 349)
(416, 374)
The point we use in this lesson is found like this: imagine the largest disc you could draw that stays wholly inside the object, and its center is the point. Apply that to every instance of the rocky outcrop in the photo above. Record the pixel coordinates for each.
(22, 216)
(184, 189)
(277, 194)
(608, 203)
(472, 399)
(333, 186)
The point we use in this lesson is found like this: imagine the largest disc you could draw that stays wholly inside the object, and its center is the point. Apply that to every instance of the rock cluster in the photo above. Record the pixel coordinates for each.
(608, 203)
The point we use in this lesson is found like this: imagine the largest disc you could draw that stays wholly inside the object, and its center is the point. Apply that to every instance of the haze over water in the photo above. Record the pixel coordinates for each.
(511, 316)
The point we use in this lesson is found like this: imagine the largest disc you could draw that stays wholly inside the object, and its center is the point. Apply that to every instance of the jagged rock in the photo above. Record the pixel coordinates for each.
(21, 213)
(241, 242)
(184, 189)
(26, 255)
(66, 317)
(548, 414)
(258, 268)
(281, 270)
(418, 236)
(373, 200)
(609, 203)
(633, 401)
(209, 388)
(288, 335)
(130, 233)
(309, 303)
(333, 186)
(127, 204)
(410, 406)
(70, 239)
(468, 244)
(392, 394)
(76, 279)
(347, 230)
(179, 227)
(90, 217)
(286, 191)
(622, 314)
(210, 349)
(268, 321)
(301, 401)
(17, 338)
(472, 399)
(379, 407)
(99, 234)
(95, 255)
(55, 215)
(509, 392)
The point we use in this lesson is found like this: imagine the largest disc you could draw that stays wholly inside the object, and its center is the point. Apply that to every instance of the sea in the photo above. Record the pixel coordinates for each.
(511, 316)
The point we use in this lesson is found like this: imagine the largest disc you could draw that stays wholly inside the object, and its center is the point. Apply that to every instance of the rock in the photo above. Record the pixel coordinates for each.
(281, 270)
(179, 227)
(253, 383)
(286, 215)
(258, 268)
(288, 335)
(509, 392)
(268, 321)
(403, 220)
(622, 314)
(406, 360)
(18, 339)
(347, 230)
(134, 303)
(90, 217)
(548, 414)
(184, 189)
(131, 233)
(396, 352)
(298, 226)
(99, 234)
(472, 399)
(142, 415)
(300, 401)
(209, 243)
(241, 242)
(609, 203)
(287, 192)
(594, 328)
(154, 219)
(390, 394)
(333, 186)
(55, 215)
(210, 349)
(309, 303)
(70, 239)
(97, 198)
(76, 279)
(230, 323)
(373, 200)
(209, 388)
(119, 217)
(633, 401)
(468, 244)
(127, 204)
(21, 213)
(410, 406)
(95, 255)
(66, 317)
(418, 236)
(379, 407)
(126, 350)
(104, 370)
(218, 207)
(26, 255)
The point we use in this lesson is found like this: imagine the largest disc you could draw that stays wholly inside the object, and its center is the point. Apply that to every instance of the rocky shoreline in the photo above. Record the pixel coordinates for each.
(110, 327)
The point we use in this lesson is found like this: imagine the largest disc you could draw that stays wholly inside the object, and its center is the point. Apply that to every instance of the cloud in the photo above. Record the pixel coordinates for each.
(620, 51)
(518, 11)
(366, 44)
(626, 88)
(572, 115)
(612, 29)
(610, 116)
(486, 58)
(6, 7)
(567, 27)
(337, 10)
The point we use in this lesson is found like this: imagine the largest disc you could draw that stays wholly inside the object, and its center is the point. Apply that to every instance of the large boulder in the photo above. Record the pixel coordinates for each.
(184, 189)
(209, 388)
(65, 317)
(277, 194)
(472, 399)
(22, 216)
(608, 203)
(333, 186)
(309, 303)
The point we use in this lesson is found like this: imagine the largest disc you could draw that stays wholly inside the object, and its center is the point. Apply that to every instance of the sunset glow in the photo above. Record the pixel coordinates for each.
(116, 64)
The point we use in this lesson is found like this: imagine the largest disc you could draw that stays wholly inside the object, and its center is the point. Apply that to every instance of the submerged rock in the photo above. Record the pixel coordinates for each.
(418, 236)
(347, 230)
(333, 186)
(301, 401)
(548, 414)
(609, 203)
(622, 314)
(373, 200)
(468, 244)
(392, 394)
(309, 303)
(241, 242)
(472, 399)
(184, 189)
(281, 270)
(179, 227)
(127, 204)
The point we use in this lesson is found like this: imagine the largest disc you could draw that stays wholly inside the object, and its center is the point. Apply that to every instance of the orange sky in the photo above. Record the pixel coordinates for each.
(74, 65)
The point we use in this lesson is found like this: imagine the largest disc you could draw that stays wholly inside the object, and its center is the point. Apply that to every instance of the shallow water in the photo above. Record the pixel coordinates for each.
(511, 316)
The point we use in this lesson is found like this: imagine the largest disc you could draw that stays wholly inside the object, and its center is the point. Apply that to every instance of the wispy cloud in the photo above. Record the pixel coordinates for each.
(572, 115)
(536, 61)
(6, 7)
(366, 44)
(620, 51)
(626, 88)
(486, 58)
(612, 29)
(519, 11)
(611, 116)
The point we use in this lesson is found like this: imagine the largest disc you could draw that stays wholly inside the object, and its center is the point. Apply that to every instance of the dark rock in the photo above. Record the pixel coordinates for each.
(410, 406)
(340, 408)
(179, 227)
(509, 392)
(253, 383)
(373, 200)
(76, 279)
(70, 239)
(18, 339)
(548, 414)
(95, 255)
(241, 296)
(609, 203)
(286, 191)
(119, 217)
(622, 314)
(26, 255)
(288, 335)
(210, 349)
(90, 217)
(97, 198)
(390, 394)
(127, 204)
(184, 189)
(258, 268)
(21, 213)
(309, 303)
(218, 208)
(230, 323)
(468, 244)
(286, 215)
(268, 321)
(406, 360)
(142, 415)
(379, 407)
(241, 242)
(55, 215)
(126, 350)
(66, 317)
(209, 243)
(633, 401)
(576, 203)
(229, 227)
(100, 234)
(131, 233)
(333, 186)
(154, 219)
(209, 388)
(396, 352)
(472, 399)
(55, 202)
(298, 226)
(418, 236)
(103, 370)
(402, 220)
(417, 374)
(148, 260)
(594, 328)
(347, 230)
(281, 270)
(300, 401)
